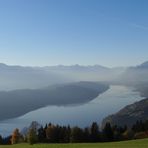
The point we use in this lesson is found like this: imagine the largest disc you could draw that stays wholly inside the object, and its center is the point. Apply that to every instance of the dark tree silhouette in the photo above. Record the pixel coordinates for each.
(108, 132)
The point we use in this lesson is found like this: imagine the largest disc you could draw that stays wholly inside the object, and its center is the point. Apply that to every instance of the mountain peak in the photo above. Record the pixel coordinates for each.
(2, 64)
(145, 64)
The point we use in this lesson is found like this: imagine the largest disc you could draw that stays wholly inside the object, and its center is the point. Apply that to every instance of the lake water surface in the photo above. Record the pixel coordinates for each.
(82, 115)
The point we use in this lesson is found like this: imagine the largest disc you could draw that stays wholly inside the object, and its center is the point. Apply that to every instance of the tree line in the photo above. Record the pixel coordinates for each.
(51, 133)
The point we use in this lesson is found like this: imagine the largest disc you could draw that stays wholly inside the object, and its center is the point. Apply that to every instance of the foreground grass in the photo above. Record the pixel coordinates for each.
(127, 144)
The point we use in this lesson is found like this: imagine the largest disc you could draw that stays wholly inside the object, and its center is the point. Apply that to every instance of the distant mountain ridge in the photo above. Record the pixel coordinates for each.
(137, 77)
(19, 77)
(18, 102)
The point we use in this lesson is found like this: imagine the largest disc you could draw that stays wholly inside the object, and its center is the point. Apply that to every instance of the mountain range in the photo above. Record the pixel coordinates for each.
(19, 77)
(23, 89)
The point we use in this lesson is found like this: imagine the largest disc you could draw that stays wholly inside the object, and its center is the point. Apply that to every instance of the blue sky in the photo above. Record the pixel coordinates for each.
(86, 32)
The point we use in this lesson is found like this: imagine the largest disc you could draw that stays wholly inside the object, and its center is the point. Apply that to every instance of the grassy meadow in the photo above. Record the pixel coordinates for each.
(126, 144)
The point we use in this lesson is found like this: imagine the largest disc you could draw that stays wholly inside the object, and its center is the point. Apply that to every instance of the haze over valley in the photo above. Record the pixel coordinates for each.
(31, 88)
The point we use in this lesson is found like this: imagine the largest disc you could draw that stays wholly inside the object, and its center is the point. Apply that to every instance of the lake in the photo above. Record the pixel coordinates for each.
(82, 115)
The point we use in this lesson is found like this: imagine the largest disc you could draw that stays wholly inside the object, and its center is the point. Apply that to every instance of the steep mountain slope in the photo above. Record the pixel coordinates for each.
(130, 114)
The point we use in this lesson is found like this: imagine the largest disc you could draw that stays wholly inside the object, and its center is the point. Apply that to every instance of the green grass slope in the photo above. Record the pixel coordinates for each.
(127, 144)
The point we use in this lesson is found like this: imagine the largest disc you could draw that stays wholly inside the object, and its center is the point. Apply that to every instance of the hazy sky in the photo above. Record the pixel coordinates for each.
(85, 32)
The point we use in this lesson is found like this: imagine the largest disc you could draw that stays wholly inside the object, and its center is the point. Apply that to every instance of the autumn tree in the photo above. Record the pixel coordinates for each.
(51, 133)
(16, 136)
